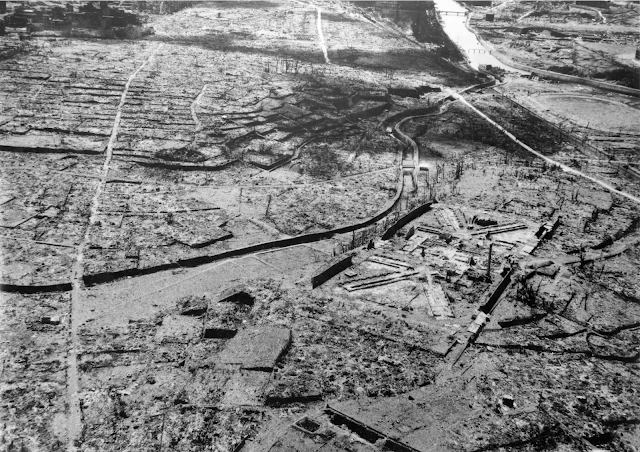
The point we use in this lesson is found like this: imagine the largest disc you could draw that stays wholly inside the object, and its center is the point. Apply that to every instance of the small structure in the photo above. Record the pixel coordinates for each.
(489, 17)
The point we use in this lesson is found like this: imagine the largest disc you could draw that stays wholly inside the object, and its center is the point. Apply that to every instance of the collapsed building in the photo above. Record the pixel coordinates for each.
(84, 15)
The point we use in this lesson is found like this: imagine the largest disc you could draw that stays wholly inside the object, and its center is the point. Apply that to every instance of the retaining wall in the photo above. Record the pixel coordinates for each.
(424, 111)
(103, 277)
(47, 150)
(580, 80)
(369, 112)
(183, 166)
(479, 85)
(18, 288)
(415, 213)
(276, 164)
(412, 112)
(335, 267)
(98, 278)
(403, 137)
(404, 92)
(375, 97)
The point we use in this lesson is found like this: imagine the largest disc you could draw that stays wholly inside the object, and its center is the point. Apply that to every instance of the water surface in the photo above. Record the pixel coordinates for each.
(454, 27)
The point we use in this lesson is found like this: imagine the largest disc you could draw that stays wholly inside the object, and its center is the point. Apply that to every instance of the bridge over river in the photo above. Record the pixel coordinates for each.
(453, 17)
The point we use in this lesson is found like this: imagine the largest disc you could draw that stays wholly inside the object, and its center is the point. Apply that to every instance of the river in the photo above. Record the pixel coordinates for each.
(454, 27)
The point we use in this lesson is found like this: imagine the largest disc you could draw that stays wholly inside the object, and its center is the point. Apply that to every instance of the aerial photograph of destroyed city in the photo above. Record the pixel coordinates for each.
(320, 226)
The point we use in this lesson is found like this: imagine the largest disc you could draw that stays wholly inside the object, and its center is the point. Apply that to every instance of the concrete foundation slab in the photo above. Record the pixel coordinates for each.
(257, 347)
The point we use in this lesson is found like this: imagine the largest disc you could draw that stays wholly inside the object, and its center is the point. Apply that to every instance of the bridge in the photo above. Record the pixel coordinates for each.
(453, 13)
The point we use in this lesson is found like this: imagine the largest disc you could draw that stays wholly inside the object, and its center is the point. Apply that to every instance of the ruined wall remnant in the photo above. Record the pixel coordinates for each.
(495, 296)
(334, 267)
(415, 213)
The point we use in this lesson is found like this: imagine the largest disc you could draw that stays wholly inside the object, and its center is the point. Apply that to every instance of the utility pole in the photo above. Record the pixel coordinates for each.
(426, 184)
(489, 261)
(266, 213)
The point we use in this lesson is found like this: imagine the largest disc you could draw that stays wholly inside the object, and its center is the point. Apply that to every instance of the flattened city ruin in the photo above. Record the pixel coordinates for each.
(320, 225)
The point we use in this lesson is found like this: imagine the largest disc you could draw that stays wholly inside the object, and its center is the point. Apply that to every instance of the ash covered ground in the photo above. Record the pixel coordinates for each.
(312, 226)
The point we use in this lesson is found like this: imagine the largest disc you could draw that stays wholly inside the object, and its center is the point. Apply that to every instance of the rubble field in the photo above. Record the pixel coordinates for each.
(311, 226)
(588, 39)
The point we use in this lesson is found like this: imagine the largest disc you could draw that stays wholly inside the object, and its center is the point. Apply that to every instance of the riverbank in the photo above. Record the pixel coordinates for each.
(558, 40)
